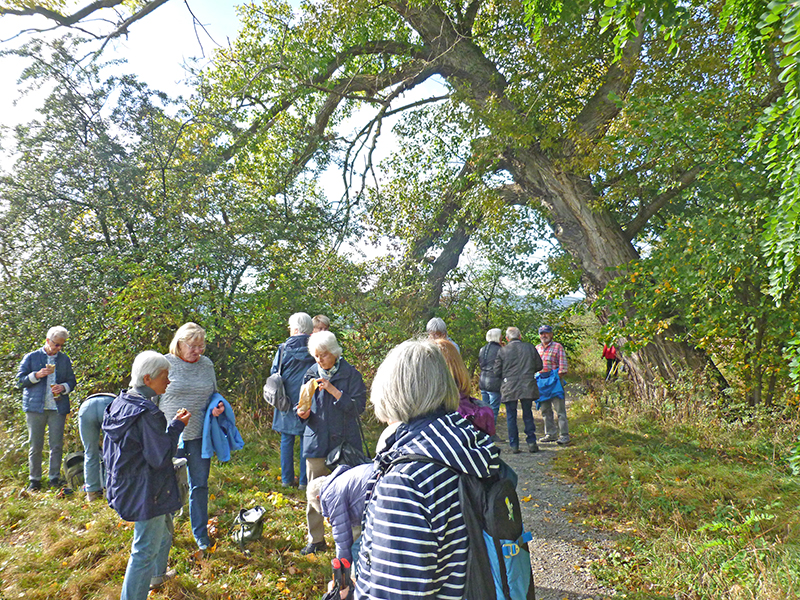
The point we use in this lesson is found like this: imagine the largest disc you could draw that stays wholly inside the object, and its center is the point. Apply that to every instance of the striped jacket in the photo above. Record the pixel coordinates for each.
(414, 543)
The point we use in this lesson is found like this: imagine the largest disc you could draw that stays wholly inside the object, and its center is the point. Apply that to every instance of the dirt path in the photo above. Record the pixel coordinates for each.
(562, 548)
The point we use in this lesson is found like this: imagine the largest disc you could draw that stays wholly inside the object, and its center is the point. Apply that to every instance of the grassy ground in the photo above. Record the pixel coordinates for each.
(705, 507)
(69, 549)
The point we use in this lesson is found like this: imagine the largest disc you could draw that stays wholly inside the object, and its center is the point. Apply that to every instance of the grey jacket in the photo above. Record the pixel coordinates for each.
(516, 365)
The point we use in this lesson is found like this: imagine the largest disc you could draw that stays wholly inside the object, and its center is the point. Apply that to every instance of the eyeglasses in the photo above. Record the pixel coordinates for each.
(199, 348)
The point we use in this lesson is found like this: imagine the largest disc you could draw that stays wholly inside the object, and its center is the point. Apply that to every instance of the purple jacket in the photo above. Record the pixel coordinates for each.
(137, 452)
(342, 500)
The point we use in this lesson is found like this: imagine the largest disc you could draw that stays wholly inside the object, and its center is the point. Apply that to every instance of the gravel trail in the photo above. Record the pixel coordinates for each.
(562, 549)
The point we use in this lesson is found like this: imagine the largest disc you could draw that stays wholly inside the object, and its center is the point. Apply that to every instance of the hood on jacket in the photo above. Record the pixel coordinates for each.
(122, 413)
(448, 438)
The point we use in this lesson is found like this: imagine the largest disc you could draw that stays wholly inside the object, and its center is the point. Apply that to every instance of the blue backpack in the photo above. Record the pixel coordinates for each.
(498, 559)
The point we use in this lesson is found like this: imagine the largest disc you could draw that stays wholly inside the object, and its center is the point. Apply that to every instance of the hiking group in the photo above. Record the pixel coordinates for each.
(434, 514)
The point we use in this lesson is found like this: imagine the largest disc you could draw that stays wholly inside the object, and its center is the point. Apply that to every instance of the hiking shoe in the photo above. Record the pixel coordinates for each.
(548, 438)
(563, 440)
(92, 496)
(533, 448)
(34, 485)
(57, 483)
(314, 547)
(159, 580)
(515, 450)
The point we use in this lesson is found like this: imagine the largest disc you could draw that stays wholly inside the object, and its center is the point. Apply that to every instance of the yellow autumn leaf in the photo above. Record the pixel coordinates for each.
(526, 499)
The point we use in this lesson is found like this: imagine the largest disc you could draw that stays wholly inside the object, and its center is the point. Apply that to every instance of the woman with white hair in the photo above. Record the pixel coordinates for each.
(46, 379)
(414, 543)
(141, 485)
(193, 382)
(489, 383)
(339, 399)
(293, 360)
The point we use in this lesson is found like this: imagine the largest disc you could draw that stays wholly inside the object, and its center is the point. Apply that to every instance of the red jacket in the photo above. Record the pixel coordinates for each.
(609, 352)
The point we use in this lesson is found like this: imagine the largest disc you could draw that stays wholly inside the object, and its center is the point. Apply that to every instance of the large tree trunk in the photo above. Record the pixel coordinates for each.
(589, 234)
(597, 243)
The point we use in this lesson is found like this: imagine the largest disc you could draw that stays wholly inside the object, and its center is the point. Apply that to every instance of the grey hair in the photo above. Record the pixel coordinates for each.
(413, 380)
(57, 333)
(493, 335)
(314, 491)
(513, 333)
(324, 341)
(436, 326)
(302, 322)
(321, 322)
(150, 363)
(186, 332)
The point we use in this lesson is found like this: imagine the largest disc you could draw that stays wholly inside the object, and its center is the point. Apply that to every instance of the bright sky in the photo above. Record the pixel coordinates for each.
(155, 49)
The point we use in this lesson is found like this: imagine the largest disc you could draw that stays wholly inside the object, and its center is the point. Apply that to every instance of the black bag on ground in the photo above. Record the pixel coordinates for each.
(274, 390)
(498, 559)
(73, 470)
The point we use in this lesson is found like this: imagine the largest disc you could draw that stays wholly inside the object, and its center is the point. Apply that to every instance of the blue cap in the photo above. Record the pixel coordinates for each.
(545, 329)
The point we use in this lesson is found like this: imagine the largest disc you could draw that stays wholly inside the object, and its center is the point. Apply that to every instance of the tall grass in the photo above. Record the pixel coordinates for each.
(699, 490)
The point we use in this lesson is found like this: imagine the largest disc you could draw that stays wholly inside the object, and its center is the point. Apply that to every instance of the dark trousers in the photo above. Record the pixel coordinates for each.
(527, 418)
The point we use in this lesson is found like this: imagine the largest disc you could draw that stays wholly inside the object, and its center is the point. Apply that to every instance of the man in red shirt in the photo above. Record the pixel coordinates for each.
(553, 358)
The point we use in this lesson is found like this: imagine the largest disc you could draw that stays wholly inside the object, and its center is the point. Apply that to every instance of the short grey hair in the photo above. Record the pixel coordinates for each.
(321, 323)
(513, 333)
(186, 333)
(493, 335)
(150, 363)
(436, 326)
(302, 322)
(314, 491)
(57, 333)
(413, 380)
(324, 341)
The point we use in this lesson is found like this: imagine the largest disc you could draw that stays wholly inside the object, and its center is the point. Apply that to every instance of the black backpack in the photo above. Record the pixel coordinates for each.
(498, 559)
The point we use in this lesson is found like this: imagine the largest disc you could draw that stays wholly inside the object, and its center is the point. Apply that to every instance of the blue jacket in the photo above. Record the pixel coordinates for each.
(137, 452)
(220, 435)
(296, 361)
(415, 542)
(342, 500)
(33, 393)
(332, 421)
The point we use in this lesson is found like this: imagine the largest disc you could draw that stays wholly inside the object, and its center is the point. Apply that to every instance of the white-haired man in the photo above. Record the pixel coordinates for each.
(516, 365)
(437, 329)
(46, 378)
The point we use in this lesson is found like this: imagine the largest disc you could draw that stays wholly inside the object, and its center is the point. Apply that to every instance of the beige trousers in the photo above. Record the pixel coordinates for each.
(315, 467)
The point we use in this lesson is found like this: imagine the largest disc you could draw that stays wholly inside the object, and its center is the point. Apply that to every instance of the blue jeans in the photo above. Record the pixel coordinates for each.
(199, 469)
(492, 399)
(527, 418)
(55, 427)
(152, 540)
(90, 421)
(287, 459)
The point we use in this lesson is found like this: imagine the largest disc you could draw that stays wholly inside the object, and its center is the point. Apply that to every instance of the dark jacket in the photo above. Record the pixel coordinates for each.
(332, 421)
(33, 393)
(489, 382)
(414, 542)
(137, 452)
(516, 365)
(296, 361)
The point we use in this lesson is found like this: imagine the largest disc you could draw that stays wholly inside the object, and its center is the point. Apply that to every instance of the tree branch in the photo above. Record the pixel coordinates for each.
(648, 210)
